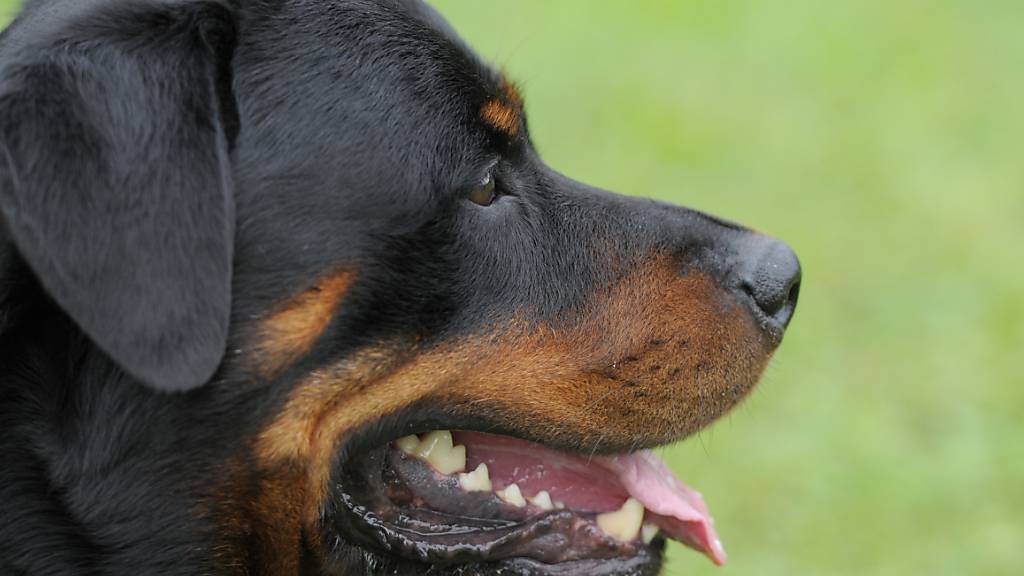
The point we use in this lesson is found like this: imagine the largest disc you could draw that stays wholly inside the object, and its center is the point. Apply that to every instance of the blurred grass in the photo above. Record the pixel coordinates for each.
(883, 140)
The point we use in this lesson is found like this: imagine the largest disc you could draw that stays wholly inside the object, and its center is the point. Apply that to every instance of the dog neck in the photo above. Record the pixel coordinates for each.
(72, 447)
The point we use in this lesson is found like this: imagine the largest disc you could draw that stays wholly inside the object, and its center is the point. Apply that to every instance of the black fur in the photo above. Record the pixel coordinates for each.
(173, 169)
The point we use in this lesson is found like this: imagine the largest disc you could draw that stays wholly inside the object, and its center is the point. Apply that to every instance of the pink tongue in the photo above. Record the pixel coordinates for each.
(584, 484)
(673, 506)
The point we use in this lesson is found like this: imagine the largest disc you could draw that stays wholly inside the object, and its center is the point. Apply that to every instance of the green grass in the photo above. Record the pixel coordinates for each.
(884, 141)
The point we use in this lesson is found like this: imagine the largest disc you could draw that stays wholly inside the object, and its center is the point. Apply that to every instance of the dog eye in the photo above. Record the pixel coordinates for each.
(484, 193)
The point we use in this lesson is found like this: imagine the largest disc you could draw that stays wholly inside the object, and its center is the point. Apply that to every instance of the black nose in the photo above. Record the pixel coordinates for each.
(770, 273)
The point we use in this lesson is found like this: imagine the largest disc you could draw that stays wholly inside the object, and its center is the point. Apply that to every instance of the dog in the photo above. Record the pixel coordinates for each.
(287, 290)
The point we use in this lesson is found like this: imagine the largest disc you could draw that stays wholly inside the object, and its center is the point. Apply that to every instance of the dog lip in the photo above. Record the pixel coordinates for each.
(647, 562)
(374, 532)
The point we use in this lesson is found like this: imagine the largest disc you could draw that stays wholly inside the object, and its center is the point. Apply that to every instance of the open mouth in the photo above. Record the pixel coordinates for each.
(454, 498)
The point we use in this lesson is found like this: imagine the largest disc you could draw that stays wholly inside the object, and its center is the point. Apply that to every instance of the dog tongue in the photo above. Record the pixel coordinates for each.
(673, 506)
(585, 484)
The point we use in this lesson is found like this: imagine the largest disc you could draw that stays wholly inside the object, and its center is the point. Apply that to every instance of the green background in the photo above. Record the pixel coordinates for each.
(883, 140)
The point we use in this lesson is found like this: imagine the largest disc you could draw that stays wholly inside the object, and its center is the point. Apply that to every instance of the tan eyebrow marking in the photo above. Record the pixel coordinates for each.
(504, 112)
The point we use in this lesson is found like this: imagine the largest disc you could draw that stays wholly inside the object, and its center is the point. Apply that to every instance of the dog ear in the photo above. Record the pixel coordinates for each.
(115, 185)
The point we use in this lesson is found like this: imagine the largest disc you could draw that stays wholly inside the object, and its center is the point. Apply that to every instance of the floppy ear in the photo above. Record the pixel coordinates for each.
(115, 183)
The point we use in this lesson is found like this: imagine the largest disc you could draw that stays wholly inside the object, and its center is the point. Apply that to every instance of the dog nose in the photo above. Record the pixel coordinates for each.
(770, 275)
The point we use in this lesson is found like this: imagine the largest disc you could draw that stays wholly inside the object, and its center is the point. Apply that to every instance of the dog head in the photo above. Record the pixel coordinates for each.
(287, 234)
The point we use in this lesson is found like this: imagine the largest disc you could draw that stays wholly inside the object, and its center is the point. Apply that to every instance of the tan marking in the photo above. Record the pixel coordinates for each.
(655, 356)
(291, 331)
(504, 112)
(261, 532)
(501, 116)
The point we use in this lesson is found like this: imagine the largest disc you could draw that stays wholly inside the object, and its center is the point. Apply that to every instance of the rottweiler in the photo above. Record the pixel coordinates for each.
(287, 290)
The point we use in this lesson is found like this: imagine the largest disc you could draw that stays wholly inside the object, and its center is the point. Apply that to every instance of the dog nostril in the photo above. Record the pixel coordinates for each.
(772, 280)
(785, 314)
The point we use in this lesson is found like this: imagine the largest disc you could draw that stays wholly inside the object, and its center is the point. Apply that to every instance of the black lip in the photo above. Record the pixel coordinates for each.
(648, 563)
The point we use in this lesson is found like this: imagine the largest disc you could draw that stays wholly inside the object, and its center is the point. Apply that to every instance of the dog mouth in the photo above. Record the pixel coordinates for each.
(452, 498)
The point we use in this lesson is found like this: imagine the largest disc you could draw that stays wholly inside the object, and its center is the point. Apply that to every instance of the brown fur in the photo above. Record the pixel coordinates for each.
(504, 113)
(259, 514)
(653, 356)
(295, 327)
(501, 116)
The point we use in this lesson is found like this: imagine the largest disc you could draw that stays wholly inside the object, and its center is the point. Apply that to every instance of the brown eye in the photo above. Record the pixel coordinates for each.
(483, 194)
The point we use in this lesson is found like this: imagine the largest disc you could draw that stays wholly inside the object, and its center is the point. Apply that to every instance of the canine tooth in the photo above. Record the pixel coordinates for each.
(624, 523)
(512, 495)
(408, 444)
(542, 500)
(648, 532)
(478, 480)
(436, 448)
(559, 505)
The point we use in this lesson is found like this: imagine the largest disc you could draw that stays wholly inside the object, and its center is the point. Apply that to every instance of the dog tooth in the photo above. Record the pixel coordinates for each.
(512, 495)
(559, 505)
(455, 461)
(432, 441)
(408, 444)
(542, 500)
(436, 448)
(478, 480)
(648, 532)
(624, 523)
